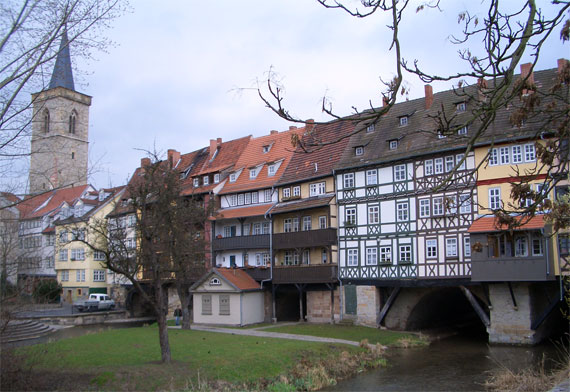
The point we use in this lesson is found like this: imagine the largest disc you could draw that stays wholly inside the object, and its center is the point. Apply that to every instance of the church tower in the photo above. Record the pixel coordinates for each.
(60, 130)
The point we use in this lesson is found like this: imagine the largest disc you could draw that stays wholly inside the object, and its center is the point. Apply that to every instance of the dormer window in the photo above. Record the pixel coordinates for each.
(216, 178)
(271, 170)
(196, 182)
(393, 144)
(266, 148)
(206, 180)
(233, 177)
(462, 130)
(286, 193)
(370, 128)
(403, 121)
(359, 150)
(215, 282)
(461, 106)
(253, 173)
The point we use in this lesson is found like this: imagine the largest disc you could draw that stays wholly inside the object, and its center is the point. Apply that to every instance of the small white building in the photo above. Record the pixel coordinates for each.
(227, 296)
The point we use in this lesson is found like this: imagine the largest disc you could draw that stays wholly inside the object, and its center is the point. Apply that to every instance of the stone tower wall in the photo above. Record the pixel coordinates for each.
(58, 158)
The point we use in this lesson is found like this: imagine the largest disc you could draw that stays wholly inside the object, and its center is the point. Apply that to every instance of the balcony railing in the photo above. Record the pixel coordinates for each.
(242, 242)
(512, 269)
(304, 239)
(319, 273)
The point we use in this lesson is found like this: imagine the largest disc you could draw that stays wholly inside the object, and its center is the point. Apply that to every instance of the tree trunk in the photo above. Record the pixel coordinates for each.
(185, 298)
(163, 337)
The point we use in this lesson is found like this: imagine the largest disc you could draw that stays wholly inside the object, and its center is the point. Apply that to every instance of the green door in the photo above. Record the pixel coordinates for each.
(350, 299)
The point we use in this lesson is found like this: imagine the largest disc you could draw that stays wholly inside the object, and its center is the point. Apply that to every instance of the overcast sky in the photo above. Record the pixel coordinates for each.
(184, 72)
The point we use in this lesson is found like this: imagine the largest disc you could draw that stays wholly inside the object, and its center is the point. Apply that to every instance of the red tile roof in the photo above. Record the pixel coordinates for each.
(242, 212)
(253, 156)
(30, 207)
(10, 197)
(227, 156)
(239, 278)
(489, 224)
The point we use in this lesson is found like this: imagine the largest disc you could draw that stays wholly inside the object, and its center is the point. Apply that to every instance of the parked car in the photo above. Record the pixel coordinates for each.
(95, 302)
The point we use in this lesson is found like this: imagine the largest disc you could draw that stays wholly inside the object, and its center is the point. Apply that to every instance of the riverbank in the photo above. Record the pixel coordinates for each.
(128, 359)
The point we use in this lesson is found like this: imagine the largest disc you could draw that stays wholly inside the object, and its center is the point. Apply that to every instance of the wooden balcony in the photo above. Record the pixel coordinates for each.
(241, 242)
(319, 273)
(512, 269)
(305, 239)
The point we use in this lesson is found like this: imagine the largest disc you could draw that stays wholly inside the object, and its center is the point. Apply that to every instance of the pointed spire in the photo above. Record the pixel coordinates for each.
(62, 75)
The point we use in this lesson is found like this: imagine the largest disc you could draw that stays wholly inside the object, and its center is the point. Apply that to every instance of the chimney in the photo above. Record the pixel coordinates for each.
(173, 157)
(292, 127)
(562, 64)
(145, 162)
(429, 95)
(385, 101)
(309, 125)
(214, 144)
(526, 71)
(273, 132)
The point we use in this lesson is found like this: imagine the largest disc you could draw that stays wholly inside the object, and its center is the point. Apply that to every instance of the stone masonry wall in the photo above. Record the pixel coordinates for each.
(319, 306)
(368, 305)
(510, 325)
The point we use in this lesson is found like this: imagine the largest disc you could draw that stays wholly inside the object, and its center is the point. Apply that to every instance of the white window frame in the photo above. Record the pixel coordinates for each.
(431, 248)
(462, 130)
(271, 170)
(296, 191)
(286, 193)
(465, 203)
(529, 152)
(98, 275)
(461, 107)
(402, 211)
(521, 251)
(449, 163)
(372, 177)
(80, 275)
(405, 253)
(348, 180)
(400, 173)
(467, 246)
(350, 216)
(352, 257)
(403, 121)
(307, 223)
(537, 239)
(493, 157)
(267, 195)
(370, 128)
(438, 165)
(494, 198)
(372, 256)
(216, 178)
(196, 182)
(206, 180)
(425, 205)
(233, 177)
(438, 206)
(62, 255)
(386, 254)
(322, 222)
(459, 158)
(64, 275)
(393, 144)
(428, 167)
(451, 247)
(504, 155)
(517, 154)
(373, 215)
(359, 151)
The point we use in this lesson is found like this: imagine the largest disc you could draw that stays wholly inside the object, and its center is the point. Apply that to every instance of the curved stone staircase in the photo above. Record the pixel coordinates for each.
(22, 330)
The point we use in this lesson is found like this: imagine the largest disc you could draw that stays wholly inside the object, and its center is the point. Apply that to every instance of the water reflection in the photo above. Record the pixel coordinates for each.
(455, 364)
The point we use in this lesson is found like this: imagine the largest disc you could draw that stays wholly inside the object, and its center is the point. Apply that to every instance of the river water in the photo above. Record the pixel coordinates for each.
(455, 364)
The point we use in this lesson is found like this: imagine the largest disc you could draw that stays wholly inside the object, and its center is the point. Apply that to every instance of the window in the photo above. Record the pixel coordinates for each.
(256, 229)
(458, 159)
(71, 124)
(295, 257)
(287, 225)
(350, 216)
(536, 245)
(233, 178)
(78, 235)
(233, 200)
(271, 169)
(461, 106)
(467, 246)
(494, 198)
(287, 259)
(295, 224)
(393, 144)
(63, 255)
(322, 222)
(306, 257)
(206, 180)
(451, 204)
(437, 205)
(45, 124)
(371, 177)
(359, 150)
(131, 220)
(564, 244)
(229, 231)
(265, 227)
(80, 275)
(241, 199)
(267, 195)
(371, 256)
(373, 215)
(449, 164)
(399, 172)
(196, 182)
(324, 256)
(98, 275)
(440, 134)
(352, 257)
(317, 189)
(252, 173)
(206, 304)
(63, 237)
(428, 167)
(462, 130)
(521, 246)
(248, 198)
(266, 148)
(504, 155)
(286, 192)
(370, 128)
(64, 275)
(386, 254)
(77, 254)
(431, 249)
(438, 165)
(216, 178)
(98, 256)
(451, 247)
(131, 243)
(403, 121)
(516, 152)
(405, 253)
(254, 197)
(224, 305)
(307, 223)
(296, 191)
(424, 208)
(465, 203)
(493, 157)
(529, 153)
(402, 211)
(348, 180)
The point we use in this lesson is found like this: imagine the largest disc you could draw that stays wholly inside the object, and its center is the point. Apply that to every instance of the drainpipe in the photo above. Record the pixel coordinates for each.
(547, 254)
(268, 213)
(340, 292)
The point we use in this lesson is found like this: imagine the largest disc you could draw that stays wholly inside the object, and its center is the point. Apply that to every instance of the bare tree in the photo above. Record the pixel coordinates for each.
(30, 36)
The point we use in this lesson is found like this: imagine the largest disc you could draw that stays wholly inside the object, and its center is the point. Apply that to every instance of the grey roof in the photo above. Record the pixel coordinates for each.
(62, 74)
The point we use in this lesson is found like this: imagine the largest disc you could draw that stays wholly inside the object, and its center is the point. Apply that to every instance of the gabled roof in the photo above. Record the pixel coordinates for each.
(280, 150)
(489, 224)
(237, 278)
(419, 136)
(317, 161)
(97, 204)
(46, 203)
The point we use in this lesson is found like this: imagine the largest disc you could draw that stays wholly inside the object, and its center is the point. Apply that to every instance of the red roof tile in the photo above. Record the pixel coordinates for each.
(489, 224)
(30, 207)
(239, 278)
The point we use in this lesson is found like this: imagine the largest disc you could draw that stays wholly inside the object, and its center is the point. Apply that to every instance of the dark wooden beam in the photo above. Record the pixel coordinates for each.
(553, 305)
(473, 301)
(388, 305)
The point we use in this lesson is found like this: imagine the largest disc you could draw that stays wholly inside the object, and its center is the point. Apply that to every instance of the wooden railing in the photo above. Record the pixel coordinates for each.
(305, 239)
(241, 242)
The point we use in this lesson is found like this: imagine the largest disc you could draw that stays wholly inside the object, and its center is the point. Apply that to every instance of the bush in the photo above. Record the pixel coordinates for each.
(47, 291)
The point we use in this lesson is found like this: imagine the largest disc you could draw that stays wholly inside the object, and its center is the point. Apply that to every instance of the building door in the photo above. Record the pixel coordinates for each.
(68, 295)
(350, 299)
(232, 261)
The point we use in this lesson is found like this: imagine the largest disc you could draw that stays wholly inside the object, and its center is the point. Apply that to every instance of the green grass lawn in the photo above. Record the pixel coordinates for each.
(349, 332)
(130, 357)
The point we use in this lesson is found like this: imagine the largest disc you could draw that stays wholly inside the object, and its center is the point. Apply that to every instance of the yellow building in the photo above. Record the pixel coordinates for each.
(79, 269)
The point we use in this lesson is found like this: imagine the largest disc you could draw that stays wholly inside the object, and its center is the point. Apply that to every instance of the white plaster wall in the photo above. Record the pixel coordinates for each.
(253, 308)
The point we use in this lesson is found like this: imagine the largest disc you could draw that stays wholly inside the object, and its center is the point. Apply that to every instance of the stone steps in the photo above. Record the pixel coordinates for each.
(22, 330)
